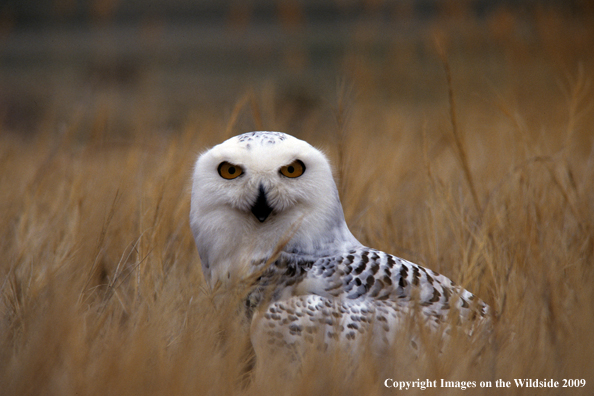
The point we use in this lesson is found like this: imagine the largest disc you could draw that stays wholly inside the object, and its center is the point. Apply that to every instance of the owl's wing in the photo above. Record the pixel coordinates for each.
(343, 297)
(372, 274)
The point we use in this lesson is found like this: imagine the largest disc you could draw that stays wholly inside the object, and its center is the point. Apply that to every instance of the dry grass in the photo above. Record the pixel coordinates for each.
(101, 290)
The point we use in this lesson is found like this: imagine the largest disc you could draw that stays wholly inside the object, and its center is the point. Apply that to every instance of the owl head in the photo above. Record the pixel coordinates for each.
(256, 191)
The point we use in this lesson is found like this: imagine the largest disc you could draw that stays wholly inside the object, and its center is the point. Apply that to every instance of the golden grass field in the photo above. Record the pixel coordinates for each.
(101, 291)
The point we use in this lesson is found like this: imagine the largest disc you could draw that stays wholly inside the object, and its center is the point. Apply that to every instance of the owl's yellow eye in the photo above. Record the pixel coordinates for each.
(294, 169)
(229, 171)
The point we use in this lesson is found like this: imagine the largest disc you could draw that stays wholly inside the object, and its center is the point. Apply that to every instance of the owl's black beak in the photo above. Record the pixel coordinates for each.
(261, 209)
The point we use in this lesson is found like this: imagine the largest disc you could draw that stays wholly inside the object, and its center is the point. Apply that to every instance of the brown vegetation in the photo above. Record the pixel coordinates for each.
(101, 290)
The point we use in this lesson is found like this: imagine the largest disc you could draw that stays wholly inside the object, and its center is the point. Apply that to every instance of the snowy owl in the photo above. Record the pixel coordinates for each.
(265, 207)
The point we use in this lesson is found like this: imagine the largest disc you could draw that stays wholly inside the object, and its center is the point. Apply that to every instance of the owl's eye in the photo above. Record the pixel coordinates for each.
(294, 169)
(229, 171)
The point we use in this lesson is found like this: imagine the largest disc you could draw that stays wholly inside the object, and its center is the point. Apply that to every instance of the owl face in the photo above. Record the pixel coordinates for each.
(254, 189)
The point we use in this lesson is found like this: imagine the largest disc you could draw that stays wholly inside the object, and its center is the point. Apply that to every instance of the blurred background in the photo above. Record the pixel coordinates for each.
(182, 58)
(104, 105)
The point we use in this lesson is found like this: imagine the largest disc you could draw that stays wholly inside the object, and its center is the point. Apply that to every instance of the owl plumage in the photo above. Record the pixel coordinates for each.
(265, 205)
